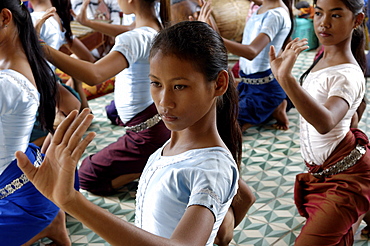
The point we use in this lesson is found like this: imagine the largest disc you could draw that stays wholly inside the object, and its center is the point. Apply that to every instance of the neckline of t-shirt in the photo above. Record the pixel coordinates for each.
(193, 151)
(14, 74)
(268, 11)
(336, 66)
(147, 28)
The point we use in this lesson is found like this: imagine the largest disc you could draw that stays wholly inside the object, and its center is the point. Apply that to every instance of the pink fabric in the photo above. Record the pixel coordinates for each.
(333, 204)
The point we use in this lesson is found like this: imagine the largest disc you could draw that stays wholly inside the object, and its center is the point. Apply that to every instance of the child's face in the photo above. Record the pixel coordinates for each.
(333, 22)
(182, 95)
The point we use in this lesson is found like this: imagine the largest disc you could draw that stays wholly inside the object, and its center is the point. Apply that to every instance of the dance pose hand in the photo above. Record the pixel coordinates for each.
(82, 16)
(54, 178)
(40, 22)
(282, 65)
(205, 11)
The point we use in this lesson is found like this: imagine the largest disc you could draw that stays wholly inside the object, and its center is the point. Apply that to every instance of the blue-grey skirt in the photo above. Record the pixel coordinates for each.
(26, 212)
(258, 102)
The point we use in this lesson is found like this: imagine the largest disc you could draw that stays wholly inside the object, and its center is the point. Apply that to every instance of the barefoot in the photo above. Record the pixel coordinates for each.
(365, 231)
(282, 122)
(55, 231)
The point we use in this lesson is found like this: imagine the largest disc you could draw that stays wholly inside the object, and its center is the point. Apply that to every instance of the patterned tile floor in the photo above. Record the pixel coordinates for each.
(271, 160)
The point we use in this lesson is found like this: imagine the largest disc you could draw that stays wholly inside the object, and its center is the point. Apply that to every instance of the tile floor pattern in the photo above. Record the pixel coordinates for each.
(271, 160)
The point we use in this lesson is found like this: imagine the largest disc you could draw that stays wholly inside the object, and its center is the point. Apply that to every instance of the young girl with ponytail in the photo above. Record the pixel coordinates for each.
(27, 85)
(335, 192)
(188, 185)
(260, 95)
(123, 161)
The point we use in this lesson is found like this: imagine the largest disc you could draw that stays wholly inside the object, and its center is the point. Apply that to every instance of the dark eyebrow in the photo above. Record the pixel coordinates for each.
(151, 75)
(173, 79)
(334, 9)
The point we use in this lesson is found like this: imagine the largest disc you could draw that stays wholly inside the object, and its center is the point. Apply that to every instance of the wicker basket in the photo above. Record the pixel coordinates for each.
(230, 17)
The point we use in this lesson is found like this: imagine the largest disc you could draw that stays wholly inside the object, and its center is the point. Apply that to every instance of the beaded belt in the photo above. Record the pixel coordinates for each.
(342, 165)
(145, 125)
(17, 183)
(258, 81)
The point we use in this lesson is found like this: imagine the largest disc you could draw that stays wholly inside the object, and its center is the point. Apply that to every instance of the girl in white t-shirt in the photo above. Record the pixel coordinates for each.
(188, 185)
(335, 192)
(260, 95)
(122, 161)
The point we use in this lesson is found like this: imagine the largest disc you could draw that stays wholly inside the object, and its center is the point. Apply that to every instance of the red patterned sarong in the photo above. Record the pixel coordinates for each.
(333, 204)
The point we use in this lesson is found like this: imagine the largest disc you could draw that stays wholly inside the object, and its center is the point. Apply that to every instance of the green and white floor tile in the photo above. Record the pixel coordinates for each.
(271, 159)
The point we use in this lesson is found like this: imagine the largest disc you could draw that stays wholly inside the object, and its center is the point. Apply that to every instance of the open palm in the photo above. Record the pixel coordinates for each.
(282, 65)
(55, 177)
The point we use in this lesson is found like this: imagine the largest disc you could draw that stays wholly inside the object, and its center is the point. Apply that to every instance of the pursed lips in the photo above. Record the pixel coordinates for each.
(167, 117)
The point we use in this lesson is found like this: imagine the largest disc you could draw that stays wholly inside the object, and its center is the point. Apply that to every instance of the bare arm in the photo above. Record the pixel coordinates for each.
(248, 51)
(67, 102)
(242, 202)
(90, 73)
(106, 28)
(323, 117)
(55, 178)
(193, 229)
(80, 50)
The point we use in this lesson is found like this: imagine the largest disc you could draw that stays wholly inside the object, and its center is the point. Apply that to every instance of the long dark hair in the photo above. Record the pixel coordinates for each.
(199, 44)
(45, 81)
(357, 41)
(289, 4)
(164, 12)
(63, 8)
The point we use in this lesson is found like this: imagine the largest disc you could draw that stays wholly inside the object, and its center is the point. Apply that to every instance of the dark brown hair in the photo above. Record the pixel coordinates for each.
(198, 43)
(43, 75)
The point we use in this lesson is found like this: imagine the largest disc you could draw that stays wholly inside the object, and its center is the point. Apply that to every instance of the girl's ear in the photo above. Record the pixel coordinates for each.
(359, 19)
(222, 82)
(5, 17)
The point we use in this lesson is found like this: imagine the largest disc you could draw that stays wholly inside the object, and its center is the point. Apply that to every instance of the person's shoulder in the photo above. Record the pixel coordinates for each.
(278, 12)
(214, 155)
(139, 32)
(345, 69)
(16, 82)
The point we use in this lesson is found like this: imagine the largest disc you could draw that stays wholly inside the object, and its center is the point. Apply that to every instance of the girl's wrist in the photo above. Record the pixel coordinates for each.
(42, 42)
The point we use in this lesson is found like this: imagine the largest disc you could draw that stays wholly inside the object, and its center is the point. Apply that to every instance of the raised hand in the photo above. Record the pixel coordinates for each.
(205, 11)
(282, 65)
(82, 16)
(55, 177)
(205, 14)
(48, 13)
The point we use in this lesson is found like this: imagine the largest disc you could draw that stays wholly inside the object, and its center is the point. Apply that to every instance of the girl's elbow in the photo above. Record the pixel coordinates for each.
(251, 55)
(324, 128)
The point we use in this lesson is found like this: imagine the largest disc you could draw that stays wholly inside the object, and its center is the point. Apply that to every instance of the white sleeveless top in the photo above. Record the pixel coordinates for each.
(19, 101)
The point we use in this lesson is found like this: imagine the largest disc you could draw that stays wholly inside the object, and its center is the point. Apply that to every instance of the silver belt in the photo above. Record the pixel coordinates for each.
(259, 81)
(342, 165)
(144, 125)
(17, 183)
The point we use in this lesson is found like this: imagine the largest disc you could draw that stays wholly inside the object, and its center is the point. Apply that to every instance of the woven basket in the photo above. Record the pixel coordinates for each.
(230, 17)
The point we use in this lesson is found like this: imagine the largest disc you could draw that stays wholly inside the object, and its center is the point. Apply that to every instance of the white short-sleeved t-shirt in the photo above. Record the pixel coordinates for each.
(19, 102)
(132, 86)
(50, 32)
(169, 184)
(276, 24)
(345, 81)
